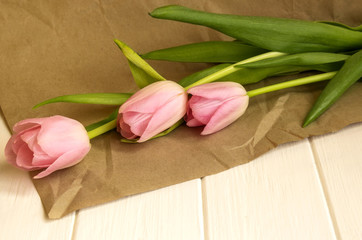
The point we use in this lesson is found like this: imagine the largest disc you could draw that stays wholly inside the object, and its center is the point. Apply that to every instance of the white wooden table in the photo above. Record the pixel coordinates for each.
(311, 189)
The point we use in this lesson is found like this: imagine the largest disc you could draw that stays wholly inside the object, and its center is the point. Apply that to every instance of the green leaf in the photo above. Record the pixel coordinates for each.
(212, 51)
(350, 72)
(90, 98)
(299, 59)
(142, 72)
(186, 81)
(110, 118)
(243, 76)
(275, 34)
(246, 76)
(358, 28)
(327, 67)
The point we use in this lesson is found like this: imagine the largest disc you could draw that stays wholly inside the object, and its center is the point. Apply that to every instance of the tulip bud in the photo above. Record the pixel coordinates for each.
(52, 143)
(152, 110)
(216, 105)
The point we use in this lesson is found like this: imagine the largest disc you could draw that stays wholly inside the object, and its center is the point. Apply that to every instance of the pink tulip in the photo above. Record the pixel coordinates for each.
(52, 143)
(216, 105)
(152, 110)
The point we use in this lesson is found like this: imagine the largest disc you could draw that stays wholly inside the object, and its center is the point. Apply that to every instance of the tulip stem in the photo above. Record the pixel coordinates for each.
(231, 69)
(102, 129)
(292, 83)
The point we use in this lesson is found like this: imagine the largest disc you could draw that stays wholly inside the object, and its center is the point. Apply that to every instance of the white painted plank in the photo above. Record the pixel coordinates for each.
(277, 196)
(339, 160)
(21, 211)
(173, 212)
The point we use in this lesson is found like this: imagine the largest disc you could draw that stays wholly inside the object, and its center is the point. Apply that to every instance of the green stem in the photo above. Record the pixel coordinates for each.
(102, 129)
(292, 83)
(230, 69)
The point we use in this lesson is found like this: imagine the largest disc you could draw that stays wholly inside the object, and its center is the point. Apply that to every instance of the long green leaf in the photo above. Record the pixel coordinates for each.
(327, 67)
(350, 72)
(90, 98)
(142, 72)
(275, 34)
(298, 59)
(358, 28)
(212, 51)
(248, 76)
(243, 76)
(111, 117)
(190, 79)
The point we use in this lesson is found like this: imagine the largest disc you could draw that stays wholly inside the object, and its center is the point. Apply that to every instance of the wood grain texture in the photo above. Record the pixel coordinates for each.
(339, 161)
(21, 211)
(277, 196)
(173, 212)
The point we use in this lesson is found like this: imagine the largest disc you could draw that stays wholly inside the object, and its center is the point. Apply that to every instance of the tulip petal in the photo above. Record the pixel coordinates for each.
(218, 90)
(150, 104)
(9, 153)
(38, 151)
(59, 135)
(191, 121)
(203, 109)
(194, 123)
(165, 117)
(125, 129)
(28, 124)
(137, 121)
(66, 160)
(226, 114)
(24, 158)
(144, 100)
(42, 160)
(17, 143)
(29, 137)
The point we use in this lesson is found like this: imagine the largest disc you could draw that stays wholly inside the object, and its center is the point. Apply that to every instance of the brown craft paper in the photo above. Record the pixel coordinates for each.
(53, 48)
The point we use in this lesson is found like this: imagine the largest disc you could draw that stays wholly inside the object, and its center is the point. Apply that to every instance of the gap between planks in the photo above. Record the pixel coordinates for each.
(323, 186)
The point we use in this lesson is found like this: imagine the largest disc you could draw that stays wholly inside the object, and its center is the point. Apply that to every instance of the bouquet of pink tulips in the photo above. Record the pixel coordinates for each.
(213, 98)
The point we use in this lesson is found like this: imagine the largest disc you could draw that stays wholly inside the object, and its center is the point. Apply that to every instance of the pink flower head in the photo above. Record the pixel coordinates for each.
(152, 110)
(52, 143)
(216, 105)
